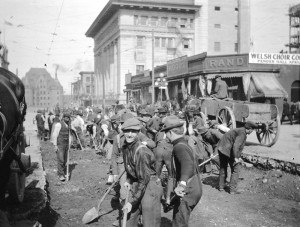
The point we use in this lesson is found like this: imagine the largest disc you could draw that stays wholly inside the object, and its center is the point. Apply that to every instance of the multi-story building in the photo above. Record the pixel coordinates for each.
(41, 90)
(127, 32)
(83, 90)
(294, 40)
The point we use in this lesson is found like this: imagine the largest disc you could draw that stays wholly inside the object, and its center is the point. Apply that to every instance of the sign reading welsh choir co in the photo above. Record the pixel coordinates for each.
(274, 58)
(177, 66)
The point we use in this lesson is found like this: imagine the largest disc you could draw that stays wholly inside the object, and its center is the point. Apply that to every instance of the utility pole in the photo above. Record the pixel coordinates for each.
(103, 88)
(239, 27)
(153, 90)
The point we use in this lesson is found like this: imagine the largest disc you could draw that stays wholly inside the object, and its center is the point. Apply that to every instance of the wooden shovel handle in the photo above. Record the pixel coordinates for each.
(125, 211)
(108, 190)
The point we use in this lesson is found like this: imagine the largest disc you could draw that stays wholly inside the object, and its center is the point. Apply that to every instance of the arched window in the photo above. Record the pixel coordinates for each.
(295, 91)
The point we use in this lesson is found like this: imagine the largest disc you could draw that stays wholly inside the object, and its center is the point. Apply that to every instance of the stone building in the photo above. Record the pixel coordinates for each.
(83, 90)
(41, 90)
(125, 32)
(3, 56)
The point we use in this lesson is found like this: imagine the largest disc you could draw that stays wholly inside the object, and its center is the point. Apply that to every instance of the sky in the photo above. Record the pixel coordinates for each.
(49, 34)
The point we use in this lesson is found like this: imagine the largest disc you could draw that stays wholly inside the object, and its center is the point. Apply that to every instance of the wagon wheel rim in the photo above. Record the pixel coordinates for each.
(269, 132)
(226, 117)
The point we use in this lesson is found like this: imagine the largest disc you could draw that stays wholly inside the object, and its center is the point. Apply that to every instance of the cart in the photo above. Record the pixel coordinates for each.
(234, 113)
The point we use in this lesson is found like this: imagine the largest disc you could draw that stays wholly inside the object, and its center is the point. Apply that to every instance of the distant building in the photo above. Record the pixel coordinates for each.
(3, 56)
(294, 33)
(41, 90)
(83, 90)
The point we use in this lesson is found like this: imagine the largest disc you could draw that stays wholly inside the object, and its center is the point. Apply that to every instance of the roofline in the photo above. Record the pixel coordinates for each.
(117, 4)
(86, 72)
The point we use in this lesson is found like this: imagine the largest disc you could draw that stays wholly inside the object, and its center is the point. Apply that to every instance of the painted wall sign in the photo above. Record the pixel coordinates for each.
(226, 62)
(274, 58)
(178, 66)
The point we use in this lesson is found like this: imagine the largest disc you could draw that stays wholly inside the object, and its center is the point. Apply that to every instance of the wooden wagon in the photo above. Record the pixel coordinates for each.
(233, 113)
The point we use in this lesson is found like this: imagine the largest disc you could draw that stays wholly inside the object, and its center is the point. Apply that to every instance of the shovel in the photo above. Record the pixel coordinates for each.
(93, 213)
(125, 211)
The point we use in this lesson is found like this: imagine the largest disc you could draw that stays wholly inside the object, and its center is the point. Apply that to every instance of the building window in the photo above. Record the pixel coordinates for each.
(139, 69)
(136, 19)
(236, 9)
(170, 43)
(163, 42)
(157, 42)
(140, 41)
(183, 22)
(88, 89)
(217, 46)
(173, 22)
(144, 20)
(236, 47)
(217, 26)
(217, 8)
(186, 43)
(153, 21)
(236, 26)
(191, 23)
(163, 21)
(87, 79)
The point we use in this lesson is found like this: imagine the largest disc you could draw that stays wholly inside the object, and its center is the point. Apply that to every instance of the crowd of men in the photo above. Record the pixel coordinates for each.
(140, 144)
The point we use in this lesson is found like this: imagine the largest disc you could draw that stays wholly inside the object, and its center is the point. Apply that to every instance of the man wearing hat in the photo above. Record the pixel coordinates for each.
(210, 138)
(40, 121)
(189, 187)
(145, 191)
(117, 157)
(60, 139)
(198, 121)
(221, 88)
(50, 122)
(78, 125)
(230, 148)
(153, 125)
(286, 111)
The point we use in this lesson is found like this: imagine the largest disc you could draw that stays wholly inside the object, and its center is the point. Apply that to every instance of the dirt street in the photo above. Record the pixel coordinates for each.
(270, 198)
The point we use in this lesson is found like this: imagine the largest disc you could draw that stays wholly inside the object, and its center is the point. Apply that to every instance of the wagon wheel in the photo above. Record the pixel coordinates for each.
(268, 132)
(226, 117)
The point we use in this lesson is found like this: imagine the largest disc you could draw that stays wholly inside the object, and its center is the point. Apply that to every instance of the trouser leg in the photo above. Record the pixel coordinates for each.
(235, 169)
(61, 159)
(223, 170)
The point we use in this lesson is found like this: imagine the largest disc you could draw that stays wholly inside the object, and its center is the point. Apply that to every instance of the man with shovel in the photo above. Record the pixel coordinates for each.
(144, 185)
(60, 139)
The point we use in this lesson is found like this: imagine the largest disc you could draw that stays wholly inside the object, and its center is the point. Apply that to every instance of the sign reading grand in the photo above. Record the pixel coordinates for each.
(224, 63)
(177, 66)
(274, 58)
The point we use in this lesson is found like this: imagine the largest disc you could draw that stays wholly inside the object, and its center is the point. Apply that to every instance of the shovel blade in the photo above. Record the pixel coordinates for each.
(89, 216)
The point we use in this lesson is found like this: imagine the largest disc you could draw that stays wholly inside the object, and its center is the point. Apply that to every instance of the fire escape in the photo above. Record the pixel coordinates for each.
(294, 33)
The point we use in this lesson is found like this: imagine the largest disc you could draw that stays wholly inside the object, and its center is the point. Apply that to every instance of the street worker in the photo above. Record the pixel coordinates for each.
(40, 121)
(153, 125)
(197, 119)
(221, 88)
(94, 132)
(189, 187)
(163, 156)
(230, 148)
(60, 139)
(145, 188)
(117, 162)
(78, 124)
(143, 121)
(210, 139)
(286, 111)
(50, 122)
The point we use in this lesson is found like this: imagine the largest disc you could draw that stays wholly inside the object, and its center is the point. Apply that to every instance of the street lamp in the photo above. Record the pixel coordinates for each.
(161, 83)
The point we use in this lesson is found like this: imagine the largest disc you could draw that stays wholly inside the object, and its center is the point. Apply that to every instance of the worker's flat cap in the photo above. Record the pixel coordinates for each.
(171, 122)
(217, 76)
(67, 114)
(125, 116)
(131, 123)
(162, 110)
(115, 118)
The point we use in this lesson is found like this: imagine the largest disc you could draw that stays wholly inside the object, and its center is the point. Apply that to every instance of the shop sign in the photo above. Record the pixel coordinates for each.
(178, 66)
(274, 58)
(226, 63)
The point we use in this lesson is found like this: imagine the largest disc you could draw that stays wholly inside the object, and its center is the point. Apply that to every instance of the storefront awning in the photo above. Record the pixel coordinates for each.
(266, 85)
(226, 75)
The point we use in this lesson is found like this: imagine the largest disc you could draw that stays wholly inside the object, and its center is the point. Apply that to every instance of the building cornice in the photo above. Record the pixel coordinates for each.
(114, 5)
